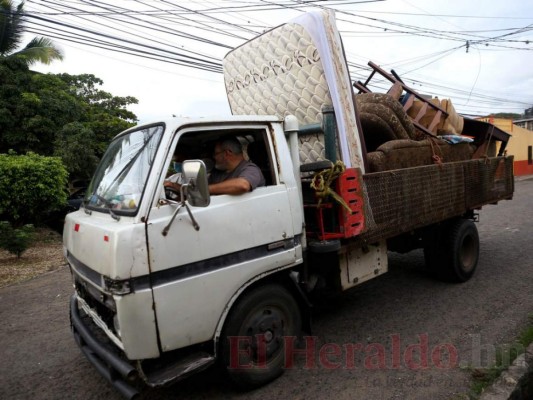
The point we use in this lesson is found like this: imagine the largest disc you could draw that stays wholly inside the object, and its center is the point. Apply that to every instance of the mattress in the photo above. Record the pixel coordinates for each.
(296, 69)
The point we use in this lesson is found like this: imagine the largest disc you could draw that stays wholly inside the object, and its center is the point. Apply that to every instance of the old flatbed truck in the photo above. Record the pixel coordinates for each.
(165, 288)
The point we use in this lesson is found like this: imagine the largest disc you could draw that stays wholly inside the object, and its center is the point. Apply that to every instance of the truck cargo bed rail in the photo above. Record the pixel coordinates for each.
(405, 199)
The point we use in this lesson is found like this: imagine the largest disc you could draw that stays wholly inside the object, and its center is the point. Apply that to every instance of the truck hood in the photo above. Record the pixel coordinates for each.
(113, 249)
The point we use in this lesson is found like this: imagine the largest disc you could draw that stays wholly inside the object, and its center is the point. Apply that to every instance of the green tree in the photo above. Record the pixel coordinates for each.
(106, 115)
(14, 75)
(69, 116)
(31, 186)
(507, 115)
(15, 240)
(33, 107)
(39, 49)
(76, 146)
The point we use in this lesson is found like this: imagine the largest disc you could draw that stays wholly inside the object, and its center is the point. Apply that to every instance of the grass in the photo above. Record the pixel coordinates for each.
(505, 355)
(526, 337)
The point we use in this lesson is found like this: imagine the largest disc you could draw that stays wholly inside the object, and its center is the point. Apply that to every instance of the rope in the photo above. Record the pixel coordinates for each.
(436, 158)
(322, 181)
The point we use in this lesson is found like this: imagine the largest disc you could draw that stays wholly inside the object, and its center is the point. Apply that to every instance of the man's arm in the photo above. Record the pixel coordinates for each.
(172, 185)
(231, 186)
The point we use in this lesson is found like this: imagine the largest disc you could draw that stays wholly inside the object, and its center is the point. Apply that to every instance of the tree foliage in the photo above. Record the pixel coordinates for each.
(57, 120)
(31, 186)
(39, 49)
(64, 115)
(506, 115)
(75, 145)
(105, 115)
(15, 240)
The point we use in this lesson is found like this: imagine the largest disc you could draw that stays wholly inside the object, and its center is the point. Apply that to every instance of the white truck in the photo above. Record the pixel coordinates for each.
(165, 288)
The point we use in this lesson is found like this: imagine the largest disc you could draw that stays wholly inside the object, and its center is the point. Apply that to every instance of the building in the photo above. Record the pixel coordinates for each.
(520, 144)
(526, 123)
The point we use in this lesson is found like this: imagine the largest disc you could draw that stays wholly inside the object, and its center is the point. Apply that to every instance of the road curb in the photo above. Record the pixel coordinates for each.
(516, 383)
(523, 177)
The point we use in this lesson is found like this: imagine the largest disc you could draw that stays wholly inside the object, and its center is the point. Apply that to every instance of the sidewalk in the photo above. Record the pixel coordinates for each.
(516, 383)
(523, 177)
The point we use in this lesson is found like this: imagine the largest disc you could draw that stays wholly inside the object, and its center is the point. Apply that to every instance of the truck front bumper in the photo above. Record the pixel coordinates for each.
(120, 373)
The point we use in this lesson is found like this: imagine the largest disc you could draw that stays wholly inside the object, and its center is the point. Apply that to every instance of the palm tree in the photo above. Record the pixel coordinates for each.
(11, 30)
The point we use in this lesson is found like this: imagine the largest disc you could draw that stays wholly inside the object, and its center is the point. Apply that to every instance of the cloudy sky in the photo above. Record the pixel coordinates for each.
(167, 54)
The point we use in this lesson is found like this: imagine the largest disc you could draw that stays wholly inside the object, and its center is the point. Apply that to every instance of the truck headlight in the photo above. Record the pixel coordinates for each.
(118, 288)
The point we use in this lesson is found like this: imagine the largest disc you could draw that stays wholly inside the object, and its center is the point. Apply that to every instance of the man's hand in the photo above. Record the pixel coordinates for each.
(172, 185)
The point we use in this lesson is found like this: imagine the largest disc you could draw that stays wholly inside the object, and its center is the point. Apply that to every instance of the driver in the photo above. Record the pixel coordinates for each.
(233, 174)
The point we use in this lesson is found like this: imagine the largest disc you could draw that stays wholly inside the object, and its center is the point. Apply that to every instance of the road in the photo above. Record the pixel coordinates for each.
(400, 336)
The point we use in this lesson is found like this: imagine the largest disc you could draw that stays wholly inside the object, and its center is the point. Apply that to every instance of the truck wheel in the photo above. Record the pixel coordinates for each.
(454, 256)
(255, 334)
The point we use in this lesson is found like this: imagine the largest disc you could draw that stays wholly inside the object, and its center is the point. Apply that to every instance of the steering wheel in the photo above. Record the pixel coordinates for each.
(106, 202)
(172, 193)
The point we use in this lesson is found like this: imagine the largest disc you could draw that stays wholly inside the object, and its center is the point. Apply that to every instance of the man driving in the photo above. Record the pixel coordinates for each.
(233, 174)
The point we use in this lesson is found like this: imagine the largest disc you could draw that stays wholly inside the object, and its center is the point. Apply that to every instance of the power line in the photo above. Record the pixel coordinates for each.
(163, 23)
(197, 62)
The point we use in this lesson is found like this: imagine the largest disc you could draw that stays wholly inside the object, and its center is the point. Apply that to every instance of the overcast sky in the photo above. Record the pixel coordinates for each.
(425, 42)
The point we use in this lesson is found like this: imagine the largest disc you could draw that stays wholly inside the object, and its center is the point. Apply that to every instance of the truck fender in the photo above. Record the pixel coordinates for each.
(287, 277)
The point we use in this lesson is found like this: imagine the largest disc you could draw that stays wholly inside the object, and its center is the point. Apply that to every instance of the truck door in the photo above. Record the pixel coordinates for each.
(194, 274)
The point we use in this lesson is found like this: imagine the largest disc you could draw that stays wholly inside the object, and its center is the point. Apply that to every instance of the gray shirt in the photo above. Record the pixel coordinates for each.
(246, 169)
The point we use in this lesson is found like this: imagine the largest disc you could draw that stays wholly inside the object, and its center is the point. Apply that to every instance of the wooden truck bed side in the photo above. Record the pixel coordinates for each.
(406, 199)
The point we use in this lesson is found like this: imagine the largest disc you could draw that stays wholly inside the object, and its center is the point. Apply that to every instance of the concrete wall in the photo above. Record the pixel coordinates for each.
(525, 123)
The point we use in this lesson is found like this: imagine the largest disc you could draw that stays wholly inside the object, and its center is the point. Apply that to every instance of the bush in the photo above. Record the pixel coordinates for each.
(31, 186)
(15, 240)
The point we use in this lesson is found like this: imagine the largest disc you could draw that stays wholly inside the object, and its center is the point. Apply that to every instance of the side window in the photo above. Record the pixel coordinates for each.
(259, 154)
(254, 142)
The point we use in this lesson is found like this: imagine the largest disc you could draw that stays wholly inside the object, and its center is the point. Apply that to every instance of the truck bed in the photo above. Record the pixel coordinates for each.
(405, 199)
(300, 69)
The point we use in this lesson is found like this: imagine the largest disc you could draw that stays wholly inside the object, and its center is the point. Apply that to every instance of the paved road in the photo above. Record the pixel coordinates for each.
(370, 342)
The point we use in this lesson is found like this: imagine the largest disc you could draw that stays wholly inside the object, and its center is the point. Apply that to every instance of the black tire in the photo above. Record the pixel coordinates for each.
(454, 252)
(253, 338)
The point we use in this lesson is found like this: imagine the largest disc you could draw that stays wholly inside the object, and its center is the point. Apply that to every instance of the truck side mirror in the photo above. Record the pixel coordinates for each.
(195, 174)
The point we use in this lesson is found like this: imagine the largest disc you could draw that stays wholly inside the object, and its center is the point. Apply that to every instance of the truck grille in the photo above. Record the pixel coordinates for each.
(100, 302)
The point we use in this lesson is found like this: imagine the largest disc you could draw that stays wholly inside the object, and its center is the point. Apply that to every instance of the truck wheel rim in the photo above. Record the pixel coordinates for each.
(266, 331)
(468, 253)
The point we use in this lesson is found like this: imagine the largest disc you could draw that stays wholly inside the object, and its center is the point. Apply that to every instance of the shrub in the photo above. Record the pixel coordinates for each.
(31, 186)
(15, 240)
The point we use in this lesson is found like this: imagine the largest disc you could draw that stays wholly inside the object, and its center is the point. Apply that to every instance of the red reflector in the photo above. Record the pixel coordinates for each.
(106, 238)
(77, 227)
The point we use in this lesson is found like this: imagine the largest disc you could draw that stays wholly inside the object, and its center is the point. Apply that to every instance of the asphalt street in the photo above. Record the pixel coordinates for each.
(401, 336)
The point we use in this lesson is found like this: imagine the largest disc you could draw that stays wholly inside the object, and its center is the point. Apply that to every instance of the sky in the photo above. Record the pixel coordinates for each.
(479, 54)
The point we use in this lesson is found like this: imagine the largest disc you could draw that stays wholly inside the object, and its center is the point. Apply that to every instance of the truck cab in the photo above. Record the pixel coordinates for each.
(157, 277)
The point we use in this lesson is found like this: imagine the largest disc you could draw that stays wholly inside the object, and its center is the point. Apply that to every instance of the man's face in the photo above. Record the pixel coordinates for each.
(220, 158)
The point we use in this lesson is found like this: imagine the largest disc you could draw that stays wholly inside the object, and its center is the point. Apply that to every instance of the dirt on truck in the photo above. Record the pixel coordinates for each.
(166, 284)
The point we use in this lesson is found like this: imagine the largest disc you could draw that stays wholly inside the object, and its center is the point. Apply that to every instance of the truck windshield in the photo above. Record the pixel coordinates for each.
(119, 180)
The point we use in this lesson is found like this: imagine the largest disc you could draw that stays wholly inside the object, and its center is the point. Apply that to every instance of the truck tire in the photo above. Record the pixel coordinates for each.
(254, 335)
(454, 252)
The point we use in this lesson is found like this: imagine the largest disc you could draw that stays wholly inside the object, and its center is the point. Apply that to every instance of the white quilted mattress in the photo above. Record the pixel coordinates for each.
(295, 69)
